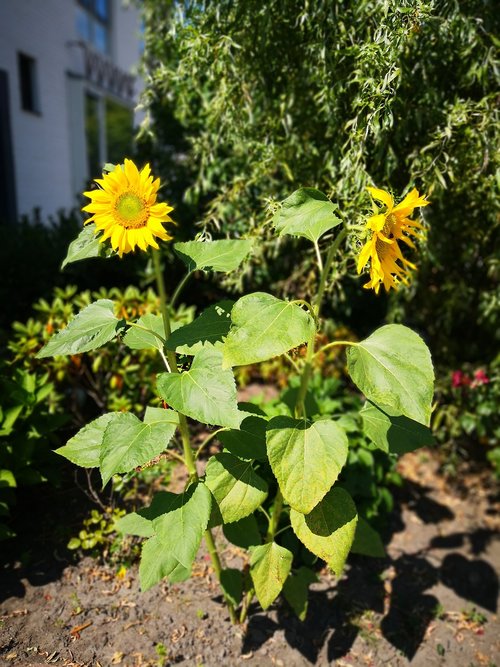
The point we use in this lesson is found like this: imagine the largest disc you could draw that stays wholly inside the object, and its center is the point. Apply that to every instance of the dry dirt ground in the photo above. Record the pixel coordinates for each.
(432, 601)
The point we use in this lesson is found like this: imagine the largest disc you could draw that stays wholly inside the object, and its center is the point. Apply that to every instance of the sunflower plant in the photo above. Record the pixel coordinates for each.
(275, 487)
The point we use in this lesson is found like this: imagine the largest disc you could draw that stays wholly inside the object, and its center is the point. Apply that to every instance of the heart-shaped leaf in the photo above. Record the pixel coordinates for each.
(206, 392)
(306, 212)
(328, 531)
(224, 255)
(393, 367)
(270, 565)
(306, 458)
(264, 327)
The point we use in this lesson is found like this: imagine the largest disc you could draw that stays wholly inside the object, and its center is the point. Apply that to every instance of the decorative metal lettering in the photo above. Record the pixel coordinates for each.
(103, 73)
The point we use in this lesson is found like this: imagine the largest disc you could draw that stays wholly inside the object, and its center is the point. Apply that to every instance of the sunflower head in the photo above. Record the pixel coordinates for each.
(389, 225)
(124, 208)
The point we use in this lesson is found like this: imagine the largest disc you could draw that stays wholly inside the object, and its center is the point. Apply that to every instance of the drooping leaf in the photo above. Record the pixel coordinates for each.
(264, 327)
(181, 527)
(210, 327)
(248, 441)
(243, 533)
(296, 590)
(270, 565)
(157, 563)
(224, 255)
(128, 443)
(328, 531)
(393, 367)
(206, 392)
(306, 458)
(367, 541)
(139, 339)
(85, 246)
(394, 433)
(307, 212)
(84, 448)
(235, 485)
(94, 326)
(231, 581)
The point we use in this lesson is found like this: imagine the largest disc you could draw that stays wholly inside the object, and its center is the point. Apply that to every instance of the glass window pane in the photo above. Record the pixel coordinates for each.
(83, 24)
(101, 9)
(118, 132)
(100, 40)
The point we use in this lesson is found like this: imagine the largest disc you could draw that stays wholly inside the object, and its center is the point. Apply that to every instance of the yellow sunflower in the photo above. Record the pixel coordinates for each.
(124, 208)
(387, 264)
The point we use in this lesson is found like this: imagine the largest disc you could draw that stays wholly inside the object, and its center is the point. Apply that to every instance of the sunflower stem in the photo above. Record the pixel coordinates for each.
(183, 425)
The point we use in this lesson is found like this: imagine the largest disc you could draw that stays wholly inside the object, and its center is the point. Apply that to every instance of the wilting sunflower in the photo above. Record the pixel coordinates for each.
(124, 208)
(387, 264)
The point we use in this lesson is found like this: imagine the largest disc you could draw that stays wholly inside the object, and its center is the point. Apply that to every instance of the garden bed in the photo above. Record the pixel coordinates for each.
(432, 601)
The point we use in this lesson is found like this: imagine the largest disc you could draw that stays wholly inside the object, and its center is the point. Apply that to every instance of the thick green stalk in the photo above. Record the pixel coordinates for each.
(307, 370)
(273, 523)
(183, 425)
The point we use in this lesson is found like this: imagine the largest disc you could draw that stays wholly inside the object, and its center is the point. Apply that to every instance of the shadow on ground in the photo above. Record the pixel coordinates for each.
(407, 606)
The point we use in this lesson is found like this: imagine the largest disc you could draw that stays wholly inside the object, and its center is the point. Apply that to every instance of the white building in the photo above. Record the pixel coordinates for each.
(67, 95)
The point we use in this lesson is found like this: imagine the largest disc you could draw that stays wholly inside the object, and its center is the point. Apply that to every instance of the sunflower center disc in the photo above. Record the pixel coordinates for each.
(131, 210)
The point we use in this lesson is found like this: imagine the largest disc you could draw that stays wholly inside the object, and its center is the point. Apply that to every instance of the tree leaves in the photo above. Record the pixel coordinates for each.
(264, 327)
(307, 212)
(235, 485)
(205, 392)
(393, 367)
(270, 565)
(306, 458)
(210, 327)
(393, 433)
(94, 326)
(128, 442)
(328, 531)
(224, 255)
(249, 441)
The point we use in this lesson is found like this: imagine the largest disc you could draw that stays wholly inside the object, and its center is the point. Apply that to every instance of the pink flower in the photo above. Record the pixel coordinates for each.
(459, 379)
(480, 377)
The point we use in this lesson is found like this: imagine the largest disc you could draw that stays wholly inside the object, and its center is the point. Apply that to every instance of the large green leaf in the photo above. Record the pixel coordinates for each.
(264, 327)
(181, 527)
(270, 565)
(141, 523)
(225, 255)
(84, 448)
(306, 458)
(394, 433)
(128, 442)
(148, 333)
(367, 541)
(94, 326)
(306, 212)
(206, 392)
(236, 486)
(243, 533)
(393, 367)
(249, 441)
(85, 246)
(157, 563)
(328, 531)
(296, 590)
(210, 327)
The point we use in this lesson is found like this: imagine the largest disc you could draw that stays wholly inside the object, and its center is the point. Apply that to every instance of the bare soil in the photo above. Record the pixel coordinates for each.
(432, 601)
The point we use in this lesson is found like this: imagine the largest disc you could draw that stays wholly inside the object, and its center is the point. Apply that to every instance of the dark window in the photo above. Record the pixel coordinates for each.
(119, 120)
(93, 134)
(28, 83)
(92, 23)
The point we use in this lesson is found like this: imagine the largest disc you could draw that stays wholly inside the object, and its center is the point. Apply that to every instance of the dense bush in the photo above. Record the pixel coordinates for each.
(338, 95)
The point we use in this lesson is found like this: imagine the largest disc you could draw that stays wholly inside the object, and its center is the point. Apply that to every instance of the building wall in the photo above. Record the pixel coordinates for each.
(49, 148)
